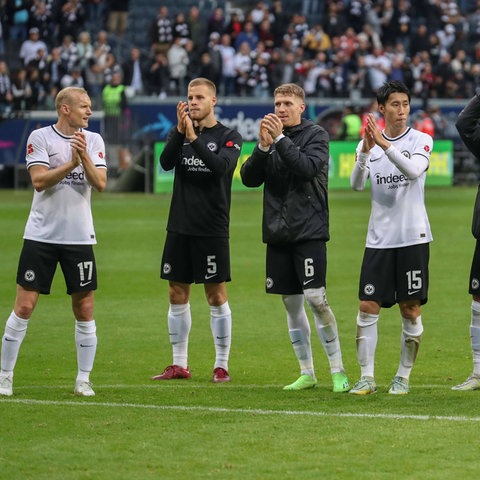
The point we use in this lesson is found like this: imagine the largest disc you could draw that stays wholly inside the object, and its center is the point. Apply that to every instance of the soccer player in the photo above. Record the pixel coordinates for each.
(395, 261)
(204, 154)
(468, 126)
(65, 161)
(291, 161)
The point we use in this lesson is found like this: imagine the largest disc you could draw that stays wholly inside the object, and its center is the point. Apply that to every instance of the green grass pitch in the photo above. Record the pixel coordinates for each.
(135, 428)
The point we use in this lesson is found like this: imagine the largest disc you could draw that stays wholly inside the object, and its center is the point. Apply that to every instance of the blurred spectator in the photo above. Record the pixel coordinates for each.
(73, 78)
(117, 22)
(247, 35)
(161, 32)
(178, 62)
(17, 13)
(283, 69)
(213, 48)
(216, 22)
(259, 80)
(316, 40)
(228, 75)
(279, 22)
(114, 103)
(243, 64)
(41, 18)
(335, 23)
(52, 74)
(30, 47)
(84, 50)
(259, 13)
(21, 92)
(134, 72)
(158, 76)
(378, 68)
(424, 123)
(180, 27)
(265, 35)
(69, 52)
(6, 97)
(96, 15)
(351, 125)
(197, 29)
(70, 19)
(235, 26)
(37, 87)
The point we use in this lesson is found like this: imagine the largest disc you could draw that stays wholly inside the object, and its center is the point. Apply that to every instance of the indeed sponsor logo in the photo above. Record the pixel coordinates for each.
(192, 162)
(75, 176)
(390, 179)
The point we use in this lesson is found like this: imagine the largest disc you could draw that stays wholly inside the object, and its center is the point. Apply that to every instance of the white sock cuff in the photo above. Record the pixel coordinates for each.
(476, 306)
(179, 309)
(87, 328)
(367, 319)
(17, 323)
(221, 310)
(412, 329)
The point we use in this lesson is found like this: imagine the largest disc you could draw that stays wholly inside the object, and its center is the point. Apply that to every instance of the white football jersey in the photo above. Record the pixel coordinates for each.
(62, 214)
(398, 217)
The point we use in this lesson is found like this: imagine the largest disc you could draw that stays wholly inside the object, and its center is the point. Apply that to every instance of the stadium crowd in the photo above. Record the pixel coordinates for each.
(332, 48)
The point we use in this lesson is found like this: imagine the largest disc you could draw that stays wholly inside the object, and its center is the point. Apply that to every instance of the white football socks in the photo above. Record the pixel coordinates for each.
(86, 341)
(179, 325)
(221, 326)
(15, 331)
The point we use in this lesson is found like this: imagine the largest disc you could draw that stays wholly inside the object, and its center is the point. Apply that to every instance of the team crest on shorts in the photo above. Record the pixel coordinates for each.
(29, 276)
(475, 283)
(167, 268)
(369, 289)
(269, 283)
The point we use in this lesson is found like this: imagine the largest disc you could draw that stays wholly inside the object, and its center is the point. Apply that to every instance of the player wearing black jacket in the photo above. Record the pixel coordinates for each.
(204, 154)
(468, 126)
(291, 161)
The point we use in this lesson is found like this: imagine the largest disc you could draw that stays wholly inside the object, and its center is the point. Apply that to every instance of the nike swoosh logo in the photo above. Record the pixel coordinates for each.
(83, 284)
(411, 292)
(52, 154)
(330, 341)
(86, 346)
(9, 339)
(221, 338)
(308, 281)
(296, 341)
(208, 277)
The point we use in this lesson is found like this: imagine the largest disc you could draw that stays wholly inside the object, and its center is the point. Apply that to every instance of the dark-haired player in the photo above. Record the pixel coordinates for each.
(395, 262)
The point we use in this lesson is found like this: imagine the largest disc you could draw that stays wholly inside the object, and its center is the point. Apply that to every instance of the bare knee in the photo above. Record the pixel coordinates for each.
(370, 307)
(25, 302)
(410, 311)
(216, 293)
(82, 305)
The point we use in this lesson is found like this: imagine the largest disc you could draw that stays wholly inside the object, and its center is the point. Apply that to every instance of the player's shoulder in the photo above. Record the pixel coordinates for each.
(421, 135)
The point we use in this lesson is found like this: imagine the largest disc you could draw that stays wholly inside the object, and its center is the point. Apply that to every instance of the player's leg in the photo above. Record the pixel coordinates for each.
(177, 269)
(211, 260)
(15, 331)
(80, 273)
(311, 267)
(221, 327)
(282, 279)
(299, 332)
(36, 268)
(412, 292)
(376, 288)
(473, 381)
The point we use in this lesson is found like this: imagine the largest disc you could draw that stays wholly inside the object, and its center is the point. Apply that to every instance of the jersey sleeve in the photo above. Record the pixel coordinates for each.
(36, 153)
(96, 150)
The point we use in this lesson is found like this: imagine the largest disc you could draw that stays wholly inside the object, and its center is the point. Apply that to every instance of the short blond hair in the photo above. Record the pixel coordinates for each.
(196, 82)
(66, 96)
(290, 89)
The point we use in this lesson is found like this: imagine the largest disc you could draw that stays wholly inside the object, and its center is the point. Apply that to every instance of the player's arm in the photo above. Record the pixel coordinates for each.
(414, 165)
(468, 125)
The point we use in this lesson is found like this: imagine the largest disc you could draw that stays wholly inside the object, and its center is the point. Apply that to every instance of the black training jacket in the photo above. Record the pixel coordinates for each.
(294, 173)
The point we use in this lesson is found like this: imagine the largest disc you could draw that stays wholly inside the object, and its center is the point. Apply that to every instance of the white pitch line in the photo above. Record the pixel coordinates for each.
(253, 411)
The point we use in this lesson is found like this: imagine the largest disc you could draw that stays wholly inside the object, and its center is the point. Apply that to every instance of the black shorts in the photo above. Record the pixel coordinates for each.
(38, 263)
(391, 275)
(474, 285)
(188, 259)
(292, 268)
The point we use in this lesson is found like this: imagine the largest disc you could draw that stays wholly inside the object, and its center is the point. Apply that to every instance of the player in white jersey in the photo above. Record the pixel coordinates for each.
(395, 263)
(65, 162)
